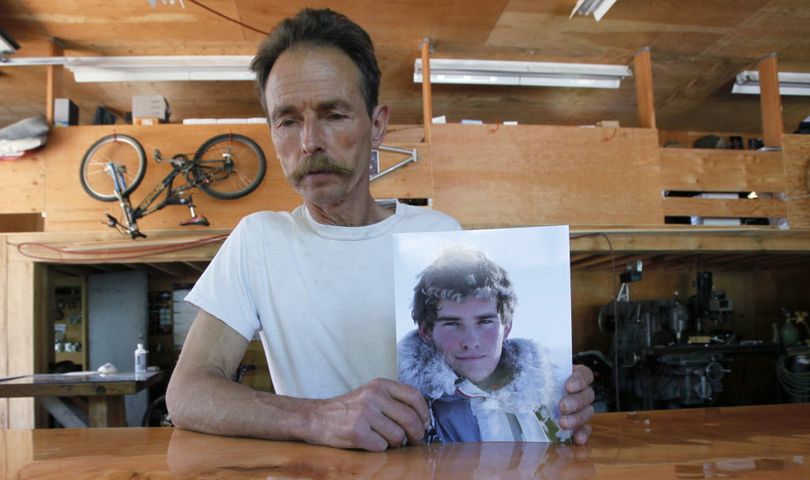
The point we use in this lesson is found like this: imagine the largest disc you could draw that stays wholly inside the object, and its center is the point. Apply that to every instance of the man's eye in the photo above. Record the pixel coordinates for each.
(449, 324)
(486, 321)
(286, 122)
(335, 116)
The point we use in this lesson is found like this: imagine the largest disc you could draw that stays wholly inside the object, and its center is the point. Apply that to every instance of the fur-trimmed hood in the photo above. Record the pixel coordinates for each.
(533, 385)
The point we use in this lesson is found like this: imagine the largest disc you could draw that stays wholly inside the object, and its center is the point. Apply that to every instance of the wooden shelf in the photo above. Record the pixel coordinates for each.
(690, 239)
(713, 249)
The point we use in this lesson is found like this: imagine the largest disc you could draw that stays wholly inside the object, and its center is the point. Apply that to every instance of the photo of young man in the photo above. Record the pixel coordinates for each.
(481, 383)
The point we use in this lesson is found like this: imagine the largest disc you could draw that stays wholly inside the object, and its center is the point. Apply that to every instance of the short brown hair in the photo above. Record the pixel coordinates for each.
(321, 28)
(458, 274)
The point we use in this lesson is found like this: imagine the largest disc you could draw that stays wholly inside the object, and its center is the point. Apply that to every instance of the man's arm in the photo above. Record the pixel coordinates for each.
(202, 397)
(576, 406)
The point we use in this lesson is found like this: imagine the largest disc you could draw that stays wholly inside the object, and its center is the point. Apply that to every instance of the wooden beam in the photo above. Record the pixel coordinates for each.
(198, 266)
(4, 330)
(427, 97)
(53, 87)
(621, 262)
(787, 261)
(61, 412)
(107, 411)
(171, 269)
(770, 102)
(704, 170)
(644, 88)
(680, 260)
(577, 257)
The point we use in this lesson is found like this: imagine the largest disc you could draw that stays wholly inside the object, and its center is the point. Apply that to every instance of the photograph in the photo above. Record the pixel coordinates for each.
(484, 330)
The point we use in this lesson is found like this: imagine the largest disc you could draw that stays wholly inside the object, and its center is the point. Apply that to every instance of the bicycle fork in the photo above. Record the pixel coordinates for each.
(119, 185)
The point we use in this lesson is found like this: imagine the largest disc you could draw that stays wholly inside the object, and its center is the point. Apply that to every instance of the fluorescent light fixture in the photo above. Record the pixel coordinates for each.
(790, 83)
(160, 68)
(149, 68)
(531, 74)
(597, 8)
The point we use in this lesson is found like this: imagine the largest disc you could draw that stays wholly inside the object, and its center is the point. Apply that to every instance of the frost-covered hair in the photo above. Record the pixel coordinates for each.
(458, 274)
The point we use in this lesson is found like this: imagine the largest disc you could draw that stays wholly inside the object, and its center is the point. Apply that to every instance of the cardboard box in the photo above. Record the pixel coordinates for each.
(65, 112)
(150, 106)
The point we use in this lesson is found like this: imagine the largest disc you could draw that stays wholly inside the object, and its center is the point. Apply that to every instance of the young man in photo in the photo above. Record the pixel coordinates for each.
(480, 385)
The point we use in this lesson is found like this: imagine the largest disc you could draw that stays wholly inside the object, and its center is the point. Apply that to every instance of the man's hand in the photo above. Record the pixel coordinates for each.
(575, 407)
(380, 414)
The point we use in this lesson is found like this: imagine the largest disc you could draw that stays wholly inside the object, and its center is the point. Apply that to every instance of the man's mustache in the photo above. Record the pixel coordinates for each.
(318, 163)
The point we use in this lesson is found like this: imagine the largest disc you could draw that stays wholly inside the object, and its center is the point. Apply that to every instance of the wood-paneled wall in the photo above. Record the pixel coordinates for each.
(796, 161)
(22, 183)
(484, 175)
(68, 208)
(490, 175)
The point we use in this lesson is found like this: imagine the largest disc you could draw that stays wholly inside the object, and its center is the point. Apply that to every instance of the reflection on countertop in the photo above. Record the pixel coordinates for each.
(741, 442)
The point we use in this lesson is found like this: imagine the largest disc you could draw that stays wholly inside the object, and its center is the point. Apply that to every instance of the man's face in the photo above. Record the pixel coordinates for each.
(470, 336)
(320, 125)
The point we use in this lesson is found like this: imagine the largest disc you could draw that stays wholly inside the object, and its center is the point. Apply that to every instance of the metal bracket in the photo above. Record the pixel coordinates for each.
(413, 156)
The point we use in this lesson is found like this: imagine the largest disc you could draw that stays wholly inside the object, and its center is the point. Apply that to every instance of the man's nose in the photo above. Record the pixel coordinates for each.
(311, 136)
(469, 339)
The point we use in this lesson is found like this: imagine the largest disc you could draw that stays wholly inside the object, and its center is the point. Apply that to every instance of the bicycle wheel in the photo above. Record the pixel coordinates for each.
(229, 166)
(94, 171)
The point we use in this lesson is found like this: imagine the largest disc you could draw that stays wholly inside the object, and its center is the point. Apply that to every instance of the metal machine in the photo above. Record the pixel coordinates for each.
(668, 354)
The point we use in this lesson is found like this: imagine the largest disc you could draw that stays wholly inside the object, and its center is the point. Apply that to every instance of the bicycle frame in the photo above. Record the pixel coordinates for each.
(173, 195)
(215, 160)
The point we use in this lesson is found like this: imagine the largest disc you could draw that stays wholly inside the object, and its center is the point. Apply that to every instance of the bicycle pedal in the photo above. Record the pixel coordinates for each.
(196, 220)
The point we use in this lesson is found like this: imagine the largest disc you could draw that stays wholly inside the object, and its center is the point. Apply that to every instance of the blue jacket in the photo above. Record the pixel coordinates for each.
(461, 411)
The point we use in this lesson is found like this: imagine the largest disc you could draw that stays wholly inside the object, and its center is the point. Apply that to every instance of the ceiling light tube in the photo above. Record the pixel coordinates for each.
(597, 8)
(161, 68)
(790, 83)
(149, 68)
(533, 74)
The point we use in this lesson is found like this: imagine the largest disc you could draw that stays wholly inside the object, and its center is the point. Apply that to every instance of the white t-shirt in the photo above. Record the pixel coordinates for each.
(321, 296)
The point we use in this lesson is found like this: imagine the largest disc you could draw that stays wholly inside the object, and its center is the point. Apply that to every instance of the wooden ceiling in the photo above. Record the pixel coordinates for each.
(697, 47)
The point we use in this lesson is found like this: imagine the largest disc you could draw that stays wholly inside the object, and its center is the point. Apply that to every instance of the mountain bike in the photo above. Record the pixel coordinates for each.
(227, 166)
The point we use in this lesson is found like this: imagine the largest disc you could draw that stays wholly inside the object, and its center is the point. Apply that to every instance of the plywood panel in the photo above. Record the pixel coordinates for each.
(20, 329)
(411, 181)
(703, 170)
(796, 160)
(4, 338)
(686, 239)
(68, 207)
(22, 184)
(490, 175)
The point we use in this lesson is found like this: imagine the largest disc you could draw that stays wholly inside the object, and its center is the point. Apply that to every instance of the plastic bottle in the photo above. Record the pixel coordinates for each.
(140, 359)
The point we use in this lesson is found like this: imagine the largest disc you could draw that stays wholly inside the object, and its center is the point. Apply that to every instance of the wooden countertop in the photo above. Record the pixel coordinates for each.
(768, 442)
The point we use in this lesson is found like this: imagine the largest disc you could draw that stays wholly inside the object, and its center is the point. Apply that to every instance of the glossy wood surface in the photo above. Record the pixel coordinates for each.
(105, 392)
(740, 443)
(77, 384)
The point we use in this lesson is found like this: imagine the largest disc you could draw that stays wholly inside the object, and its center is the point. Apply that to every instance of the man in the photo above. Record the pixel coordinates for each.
(316, 282)
(479, 385)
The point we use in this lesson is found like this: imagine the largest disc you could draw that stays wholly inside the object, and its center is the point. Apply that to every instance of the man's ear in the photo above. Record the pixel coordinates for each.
(379, 125)
(506, 329)
(424, 334)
